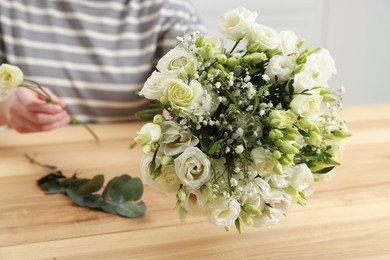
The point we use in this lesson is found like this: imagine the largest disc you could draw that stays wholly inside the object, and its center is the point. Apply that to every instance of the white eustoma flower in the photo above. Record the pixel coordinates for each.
(288, 42)
(303, 81)
(267, 37)
(263, 160)
(301, 178)
(10, 78)
(321, 65)
(195, 202)
(149, 133)
(174, 62)
(174, 140)
(224, 212)
(216, 43)
(185, 98)
(168, 180)
(306, 105)
(234, 24)
(280, 67)
(154, 86)
(193, 168)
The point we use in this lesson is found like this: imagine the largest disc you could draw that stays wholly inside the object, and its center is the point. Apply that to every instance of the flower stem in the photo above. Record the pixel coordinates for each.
(234, 47)
(48, 100)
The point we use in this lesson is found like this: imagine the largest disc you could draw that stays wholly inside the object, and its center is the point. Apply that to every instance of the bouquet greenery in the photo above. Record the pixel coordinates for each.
(249, 130)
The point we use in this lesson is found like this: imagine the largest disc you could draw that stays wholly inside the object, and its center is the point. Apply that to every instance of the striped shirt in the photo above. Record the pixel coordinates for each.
(94, 54)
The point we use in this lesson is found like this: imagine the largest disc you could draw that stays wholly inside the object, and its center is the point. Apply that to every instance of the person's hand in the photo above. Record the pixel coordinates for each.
(27, 112)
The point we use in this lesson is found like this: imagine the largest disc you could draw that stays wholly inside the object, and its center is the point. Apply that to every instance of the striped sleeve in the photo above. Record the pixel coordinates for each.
(95, 55)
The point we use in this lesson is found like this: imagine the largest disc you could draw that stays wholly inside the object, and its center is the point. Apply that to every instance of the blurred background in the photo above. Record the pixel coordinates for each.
(357, 34)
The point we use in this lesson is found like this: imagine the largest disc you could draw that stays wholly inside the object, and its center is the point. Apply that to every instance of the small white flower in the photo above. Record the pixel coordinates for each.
(265, 77)
(239, 149)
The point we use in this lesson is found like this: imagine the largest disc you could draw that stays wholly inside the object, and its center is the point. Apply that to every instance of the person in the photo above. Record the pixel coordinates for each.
(91, 56)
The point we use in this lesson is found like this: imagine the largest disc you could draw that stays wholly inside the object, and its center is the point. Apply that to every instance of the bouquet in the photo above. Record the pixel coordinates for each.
(246, 132)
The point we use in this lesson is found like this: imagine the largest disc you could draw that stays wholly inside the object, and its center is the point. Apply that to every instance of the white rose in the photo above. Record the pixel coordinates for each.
(263, 160)
(289, 41)
(302, 81)
(281, 67)
(193, 168)
(185, 98)
(224, 212)
(154, 86)
(195, 202)
(173, 140)
(306, 105)
(234, 24)
(174, 62)
(321, 65)
(301, 178)
(149, 133)
(266, 36)
(168, 180)
(10, 78)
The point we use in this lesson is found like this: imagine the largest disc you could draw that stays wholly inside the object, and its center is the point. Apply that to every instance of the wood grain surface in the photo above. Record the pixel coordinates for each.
(346, 218)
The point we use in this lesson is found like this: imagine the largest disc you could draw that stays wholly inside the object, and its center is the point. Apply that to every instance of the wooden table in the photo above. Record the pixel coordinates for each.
(348, 217)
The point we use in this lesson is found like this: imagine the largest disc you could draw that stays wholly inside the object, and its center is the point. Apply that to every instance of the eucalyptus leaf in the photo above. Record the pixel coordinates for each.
(107, 190)
(93, 201)
(108, 206)
(95, 184)
(131, 209)
(75, 197)
(133, 190)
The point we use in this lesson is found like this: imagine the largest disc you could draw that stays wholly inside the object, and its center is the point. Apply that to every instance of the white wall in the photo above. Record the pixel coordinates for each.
(357, 33)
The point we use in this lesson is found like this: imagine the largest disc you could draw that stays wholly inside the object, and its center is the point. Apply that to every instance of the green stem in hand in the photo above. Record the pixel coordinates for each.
(37, 88)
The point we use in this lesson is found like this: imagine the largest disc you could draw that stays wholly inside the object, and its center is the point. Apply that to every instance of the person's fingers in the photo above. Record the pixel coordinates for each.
(32, 102)
(43, 122)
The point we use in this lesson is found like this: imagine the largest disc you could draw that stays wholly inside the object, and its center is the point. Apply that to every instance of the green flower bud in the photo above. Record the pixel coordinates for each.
(291, 130)
(213, 72)
(285, 161)
(221, 58)
(291, 137)
(298, 68)
(181, 212)
(253, 47)
(302, 57)
(146, 148)
(158, 119)
(273, 52)
(207, 51)
(191, 68)
(300, 43)
(278, 143)
(328, 98)
(181, 195)
(314, 138)
(258, 57)
(281, 119)
(251, 209)
(232, 62)
(340, 134)
(166, 159)
(239, 225)
(278, 169)
(275, 134)
(277, 154)
(247, 59)
(308, 124)
(200, 41)
(289, 148)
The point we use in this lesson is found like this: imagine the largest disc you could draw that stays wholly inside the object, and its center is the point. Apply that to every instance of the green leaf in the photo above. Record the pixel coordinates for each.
(51, 183)
(303, 133)
(107, 190)
(75, 197)
(325, 170)
(92, 201)
(95, 184)
(131, 209)
(108, 206)
(133, 190)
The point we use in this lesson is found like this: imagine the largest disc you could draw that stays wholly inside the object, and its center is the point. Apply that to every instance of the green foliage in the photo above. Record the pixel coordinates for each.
(121, 195)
